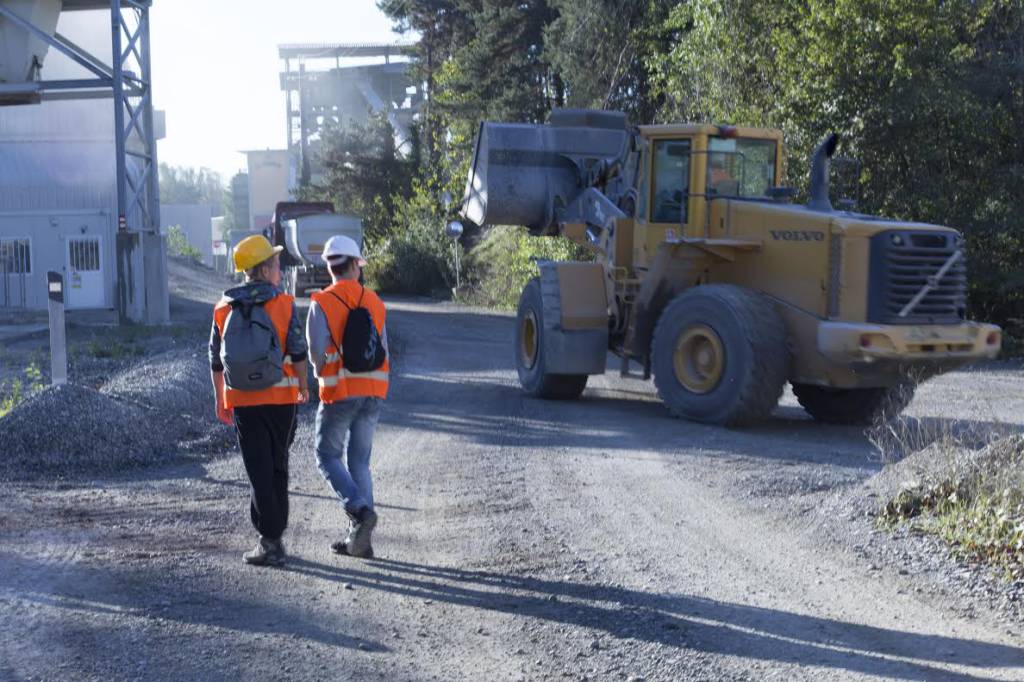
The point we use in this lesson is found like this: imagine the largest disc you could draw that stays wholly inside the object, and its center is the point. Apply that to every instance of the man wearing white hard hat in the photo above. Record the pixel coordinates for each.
(348, 347)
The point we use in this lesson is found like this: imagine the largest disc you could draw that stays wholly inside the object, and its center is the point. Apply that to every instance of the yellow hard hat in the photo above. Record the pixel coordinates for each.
(252, 251)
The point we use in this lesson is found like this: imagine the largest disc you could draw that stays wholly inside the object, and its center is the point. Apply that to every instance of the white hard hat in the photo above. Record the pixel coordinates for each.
(340, 246)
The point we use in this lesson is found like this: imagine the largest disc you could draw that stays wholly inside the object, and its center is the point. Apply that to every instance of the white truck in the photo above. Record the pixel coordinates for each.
(303, 228)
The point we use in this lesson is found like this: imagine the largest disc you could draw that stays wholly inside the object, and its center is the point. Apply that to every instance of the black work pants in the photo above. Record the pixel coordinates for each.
(265, 432)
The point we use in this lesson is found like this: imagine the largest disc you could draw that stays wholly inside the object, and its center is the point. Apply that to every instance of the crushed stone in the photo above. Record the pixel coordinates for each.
(150, 413)
(176, 382)
(69, 429)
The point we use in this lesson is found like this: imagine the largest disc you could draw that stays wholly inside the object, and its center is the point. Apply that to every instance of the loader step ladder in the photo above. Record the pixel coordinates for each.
(628, 289)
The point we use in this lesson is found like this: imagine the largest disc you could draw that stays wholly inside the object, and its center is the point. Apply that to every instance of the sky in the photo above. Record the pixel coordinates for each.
(216, 69)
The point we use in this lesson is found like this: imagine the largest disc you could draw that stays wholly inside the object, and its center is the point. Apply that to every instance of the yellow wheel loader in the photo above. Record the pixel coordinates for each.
(709, 277)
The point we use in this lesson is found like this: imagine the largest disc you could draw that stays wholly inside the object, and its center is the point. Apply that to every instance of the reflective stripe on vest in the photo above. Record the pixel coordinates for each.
(346, 375)
(285, 391)
(336, 382)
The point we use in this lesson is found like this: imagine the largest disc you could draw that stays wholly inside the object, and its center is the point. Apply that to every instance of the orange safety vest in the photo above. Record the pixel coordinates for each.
(284, 392)
(336, 382)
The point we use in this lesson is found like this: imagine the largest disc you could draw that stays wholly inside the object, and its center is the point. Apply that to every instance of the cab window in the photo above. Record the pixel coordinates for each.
(740, 167)
(670, 184)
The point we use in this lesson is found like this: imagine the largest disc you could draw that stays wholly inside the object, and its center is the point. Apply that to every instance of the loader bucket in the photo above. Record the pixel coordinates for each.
(522, 174)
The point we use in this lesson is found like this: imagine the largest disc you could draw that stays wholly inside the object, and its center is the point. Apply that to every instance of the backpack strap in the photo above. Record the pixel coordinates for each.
(336, 346)
(350, 309)
(343, 302)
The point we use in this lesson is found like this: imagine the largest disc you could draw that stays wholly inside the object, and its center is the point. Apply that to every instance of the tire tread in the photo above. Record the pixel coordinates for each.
(763, 330)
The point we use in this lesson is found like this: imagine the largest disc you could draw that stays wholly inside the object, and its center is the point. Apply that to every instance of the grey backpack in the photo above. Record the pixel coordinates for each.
(250, 350)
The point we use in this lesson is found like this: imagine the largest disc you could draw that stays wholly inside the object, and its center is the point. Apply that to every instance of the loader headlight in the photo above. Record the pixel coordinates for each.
(897, 240)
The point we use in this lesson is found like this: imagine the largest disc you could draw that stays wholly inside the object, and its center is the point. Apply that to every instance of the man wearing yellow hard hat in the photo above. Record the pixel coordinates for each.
(258, 367)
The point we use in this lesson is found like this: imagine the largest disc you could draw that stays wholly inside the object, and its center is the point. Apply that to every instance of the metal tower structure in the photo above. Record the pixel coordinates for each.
(128, 81)
(336, 84)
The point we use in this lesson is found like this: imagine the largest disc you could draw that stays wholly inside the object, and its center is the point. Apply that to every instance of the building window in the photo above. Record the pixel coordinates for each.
(85, 255)
(15, 257)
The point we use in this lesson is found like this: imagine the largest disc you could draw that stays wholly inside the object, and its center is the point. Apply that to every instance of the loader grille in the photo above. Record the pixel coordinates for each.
(901, 264)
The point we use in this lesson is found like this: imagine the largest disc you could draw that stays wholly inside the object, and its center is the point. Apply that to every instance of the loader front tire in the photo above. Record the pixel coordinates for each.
(536, 377)
(720, 356)
(854, 406)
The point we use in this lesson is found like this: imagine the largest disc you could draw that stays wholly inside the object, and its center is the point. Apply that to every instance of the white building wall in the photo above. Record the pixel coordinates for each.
(270, 181)
(195, 221)
(57, 190)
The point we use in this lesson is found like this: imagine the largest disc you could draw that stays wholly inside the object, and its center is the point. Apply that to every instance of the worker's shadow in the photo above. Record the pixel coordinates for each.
(244, 485)
(680, 621)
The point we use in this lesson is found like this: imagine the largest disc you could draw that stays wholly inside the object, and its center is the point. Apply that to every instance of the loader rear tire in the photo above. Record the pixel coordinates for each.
(534, 374)
(720, 355)
(854, 406)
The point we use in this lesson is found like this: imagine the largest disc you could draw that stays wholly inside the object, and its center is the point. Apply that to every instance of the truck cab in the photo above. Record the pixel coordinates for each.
(303, 228)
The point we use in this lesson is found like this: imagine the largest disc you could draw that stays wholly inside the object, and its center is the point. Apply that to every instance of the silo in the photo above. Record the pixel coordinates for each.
(21, 52)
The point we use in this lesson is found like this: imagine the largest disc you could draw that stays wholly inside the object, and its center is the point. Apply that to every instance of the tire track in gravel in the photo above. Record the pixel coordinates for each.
(714, 576)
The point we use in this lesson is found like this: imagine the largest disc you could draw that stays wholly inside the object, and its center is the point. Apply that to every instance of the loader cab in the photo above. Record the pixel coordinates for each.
(690, 173)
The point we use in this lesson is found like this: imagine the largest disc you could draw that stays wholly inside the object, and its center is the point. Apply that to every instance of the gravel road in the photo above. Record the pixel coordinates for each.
(518, 540)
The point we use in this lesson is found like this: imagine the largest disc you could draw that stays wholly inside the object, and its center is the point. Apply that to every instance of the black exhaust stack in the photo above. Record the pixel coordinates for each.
(820, 162)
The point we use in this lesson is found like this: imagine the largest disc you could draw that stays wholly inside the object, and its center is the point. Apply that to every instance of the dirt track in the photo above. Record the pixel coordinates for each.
(519, 539)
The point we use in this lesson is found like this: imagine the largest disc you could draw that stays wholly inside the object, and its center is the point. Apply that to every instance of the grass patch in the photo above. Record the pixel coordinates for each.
(18, 390)
(977, 508)
(113, 349)
(129, 341)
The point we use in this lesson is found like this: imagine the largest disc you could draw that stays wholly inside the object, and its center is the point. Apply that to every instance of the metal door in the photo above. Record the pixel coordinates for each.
(15, 272)
(85, 284)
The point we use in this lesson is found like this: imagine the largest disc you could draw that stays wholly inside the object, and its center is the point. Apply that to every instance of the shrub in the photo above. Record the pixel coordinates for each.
(177, 244)
(505, 260)
(414, 256)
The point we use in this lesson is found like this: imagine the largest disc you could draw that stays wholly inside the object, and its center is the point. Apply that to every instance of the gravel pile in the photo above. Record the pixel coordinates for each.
(67, 430)
(176, 383)
(941, 461)
(157, 409)
(925, 561)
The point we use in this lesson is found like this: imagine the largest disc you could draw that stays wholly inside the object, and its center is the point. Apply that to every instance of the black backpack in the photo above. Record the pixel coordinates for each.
(361, 347)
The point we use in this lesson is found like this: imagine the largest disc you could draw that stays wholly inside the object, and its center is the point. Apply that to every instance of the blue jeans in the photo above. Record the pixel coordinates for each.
(344, 440)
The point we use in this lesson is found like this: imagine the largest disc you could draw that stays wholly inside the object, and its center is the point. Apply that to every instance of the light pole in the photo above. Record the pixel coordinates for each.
(454, 231)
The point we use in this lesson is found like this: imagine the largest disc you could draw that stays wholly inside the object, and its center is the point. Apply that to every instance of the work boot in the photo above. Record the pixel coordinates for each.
(341, 546)
(266, 553)
(359, 546)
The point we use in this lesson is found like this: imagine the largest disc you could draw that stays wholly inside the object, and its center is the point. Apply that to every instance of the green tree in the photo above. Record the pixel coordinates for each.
(442, 25)
(191, 186)
(601, 50)
(363, 174)
(929, 96)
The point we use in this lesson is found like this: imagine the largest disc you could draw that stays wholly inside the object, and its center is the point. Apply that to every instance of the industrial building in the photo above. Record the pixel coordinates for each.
(341, 84)
(58, 203)
(271, 175)
(78, 185)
